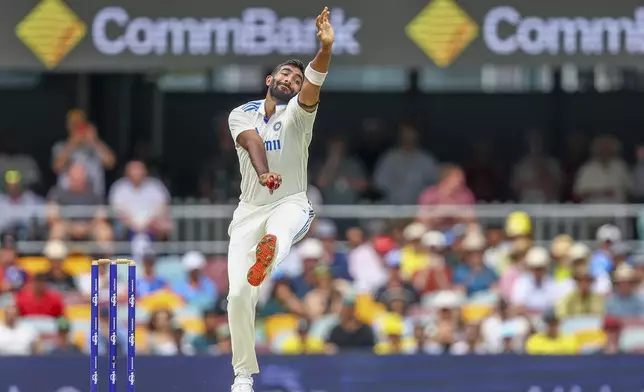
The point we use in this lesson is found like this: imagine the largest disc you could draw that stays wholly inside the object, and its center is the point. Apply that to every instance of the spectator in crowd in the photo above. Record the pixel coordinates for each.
(350, 333)
(485, 175)
(395, 342)
(342, 178)
(19, 206)
(365, 260)
(141, 202)
(104, 336)
(414, 255)
(393, 176)
(148, 282)
(220, 177)
(162, 338)
(355, 237)
(182, 342)
(624, 302)
(444, 330)
(301, 342)
(320, 300)
(337, 259)
(507, 338)
(283, 299)
(559, 251)
(495, 251)
(605, 178)
(638, 266)
(17, 338)
(602, 259)
(515, 269)
(206, 343)
(12, 160)
(310, 252)
(450, 191)
(224, 343)
(85, 148)
(12, 276)
(472, 275)
(64, 346)
(518, 235)
(582, 301)
(502, 331)
(552, 341)
(57, 278)
(396, 286)
(575, 153)
(78, 193)
(198, 290)
(454, 244)
(36, 299)
(621, 252)
(537, 177)
(420, 337)
(579, 256)
(437, 276)
(613, 329)
(471, 343)
(397, 303)
(536, 291)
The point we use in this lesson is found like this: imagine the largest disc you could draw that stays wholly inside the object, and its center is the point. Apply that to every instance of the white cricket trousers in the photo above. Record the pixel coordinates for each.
(289, 220)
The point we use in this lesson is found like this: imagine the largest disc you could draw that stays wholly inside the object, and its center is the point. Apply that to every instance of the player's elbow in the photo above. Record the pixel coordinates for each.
(249, 140)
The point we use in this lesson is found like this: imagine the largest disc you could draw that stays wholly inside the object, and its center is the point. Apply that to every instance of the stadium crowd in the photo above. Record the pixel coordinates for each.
(440, 284)
(471, 290)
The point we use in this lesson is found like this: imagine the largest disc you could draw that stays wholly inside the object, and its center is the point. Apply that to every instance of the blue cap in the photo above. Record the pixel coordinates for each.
(393, 257)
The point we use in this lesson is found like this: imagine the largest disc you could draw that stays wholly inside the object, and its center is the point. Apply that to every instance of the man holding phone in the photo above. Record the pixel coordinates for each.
(85, 147)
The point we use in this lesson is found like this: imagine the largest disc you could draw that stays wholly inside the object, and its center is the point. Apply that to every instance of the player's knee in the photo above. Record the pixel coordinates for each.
(238, 297)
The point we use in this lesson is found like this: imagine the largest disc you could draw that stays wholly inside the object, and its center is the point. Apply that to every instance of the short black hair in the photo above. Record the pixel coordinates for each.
(293, 62)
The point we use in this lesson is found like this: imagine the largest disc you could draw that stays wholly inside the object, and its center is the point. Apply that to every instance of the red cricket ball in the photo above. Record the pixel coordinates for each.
(270, 182)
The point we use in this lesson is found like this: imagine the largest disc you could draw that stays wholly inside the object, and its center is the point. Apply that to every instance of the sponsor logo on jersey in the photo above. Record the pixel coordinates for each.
(273, 145)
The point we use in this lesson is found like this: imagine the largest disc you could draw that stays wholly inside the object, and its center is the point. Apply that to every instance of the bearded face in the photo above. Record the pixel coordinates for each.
(281, 91)
(285, 84)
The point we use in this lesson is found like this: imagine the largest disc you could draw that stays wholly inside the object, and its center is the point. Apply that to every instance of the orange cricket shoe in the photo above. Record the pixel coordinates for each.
(264, 258)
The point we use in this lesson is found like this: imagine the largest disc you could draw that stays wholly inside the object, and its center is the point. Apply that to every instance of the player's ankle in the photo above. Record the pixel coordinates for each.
(244, 378)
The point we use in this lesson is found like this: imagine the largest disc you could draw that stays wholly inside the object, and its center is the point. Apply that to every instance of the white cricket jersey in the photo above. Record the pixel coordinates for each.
(287, 135)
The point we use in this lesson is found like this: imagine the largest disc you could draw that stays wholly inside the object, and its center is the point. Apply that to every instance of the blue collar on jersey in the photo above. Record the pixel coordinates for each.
(262, 109)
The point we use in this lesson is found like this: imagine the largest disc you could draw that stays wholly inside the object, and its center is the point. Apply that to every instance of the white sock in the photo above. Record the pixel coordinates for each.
(244, 379)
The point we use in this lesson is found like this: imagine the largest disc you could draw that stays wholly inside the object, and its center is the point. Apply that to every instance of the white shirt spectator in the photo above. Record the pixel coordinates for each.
(540, 298)
(493, 329)
(606, 183)
(18, 340)
(142, 203)
(366, 268)
(602, 285)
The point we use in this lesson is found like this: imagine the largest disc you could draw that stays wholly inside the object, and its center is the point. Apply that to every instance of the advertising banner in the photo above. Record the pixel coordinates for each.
(129, 35)
(346, 373)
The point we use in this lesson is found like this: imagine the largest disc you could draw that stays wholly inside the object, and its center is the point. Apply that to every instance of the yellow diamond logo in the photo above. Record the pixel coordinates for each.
(51, 30)
(442, 30)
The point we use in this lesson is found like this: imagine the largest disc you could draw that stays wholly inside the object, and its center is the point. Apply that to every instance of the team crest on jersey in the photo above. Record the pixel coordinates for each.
(277, 126)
